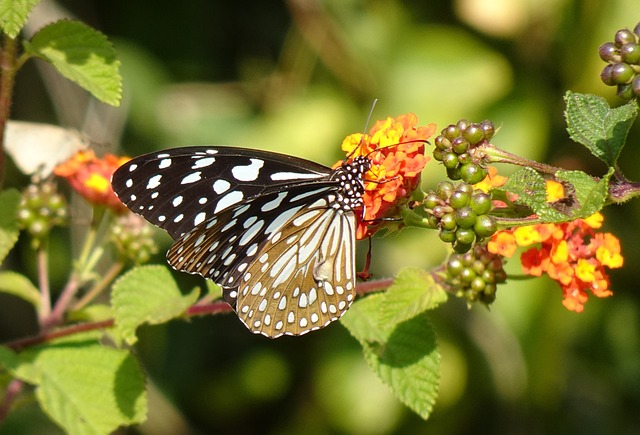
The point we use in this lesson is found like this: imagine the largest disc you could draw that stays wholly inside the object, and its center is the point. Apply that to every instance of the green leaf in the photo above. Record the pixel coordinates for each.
(83, 386)
(14, 14)
(19, 285)
(405, 357)
(585, 195)
(592, 123)
(9, 227)
(413, 292)
(589, 194)
(147, 294)
(82, 55)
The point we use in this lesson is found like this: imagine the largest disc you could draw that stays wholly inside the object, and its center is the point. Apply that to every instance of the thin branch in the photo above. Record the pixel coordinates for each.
(43, 283)
(13, 390)
(111, 274)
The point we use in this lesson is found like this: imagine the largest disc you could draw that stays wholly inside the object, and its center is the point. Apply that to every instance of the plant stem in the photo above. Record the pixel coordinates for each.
(7, 77)
(13, 389)
(43, 283)
(498, 155)
(111, 274)
(62, 303)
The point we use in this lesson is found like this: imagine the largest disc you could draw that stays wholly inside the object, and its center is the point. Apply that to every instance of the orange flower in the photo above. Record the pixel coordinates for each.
(395, 147)
(571, 253)
(91, 177)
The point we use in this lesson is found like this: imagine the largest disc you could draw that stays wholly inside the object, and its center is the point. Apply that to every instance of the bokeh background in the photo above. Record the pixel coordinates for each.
(297, 76)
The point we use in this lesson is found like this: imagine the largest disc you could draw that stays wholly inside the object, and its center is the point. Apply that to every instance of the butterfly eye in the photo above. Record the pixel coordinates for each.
(276, 232)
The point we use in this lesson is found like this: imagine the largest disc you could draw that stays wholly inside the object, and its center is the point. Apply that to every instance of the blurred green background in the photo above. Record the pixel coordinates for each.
(297, 77)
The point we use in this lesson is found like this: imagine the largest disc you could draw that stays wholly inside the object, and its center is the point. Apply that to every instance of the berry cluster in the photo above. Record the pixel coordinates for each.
(475, 275)
(461, 213)
(454, 148)
(623, 63)
(133, 238)
(41, 208)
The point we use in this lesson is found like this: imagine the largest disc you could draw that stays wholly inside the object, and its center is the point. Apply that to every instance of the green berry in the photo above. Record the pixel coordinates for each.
(432, 200)
(467, 275)
(480, 202)
(473, 134)
(444, 189)
(630, 52)
(463, 124)
(625, 92)
(460, 145)
(472, 173)
(447, 236)
(485, 226)
(465, 217)
(450, 160)
(621, 72)
(478, 284)
(454, 174)
(454, 266)
(451, 132)
(488, 129)
(438, 154)
(465, 236)
(609, 52)
(635, 86)
(459, 199)
(448, 222)
(442, 143)
(624, 36)
(606, 77)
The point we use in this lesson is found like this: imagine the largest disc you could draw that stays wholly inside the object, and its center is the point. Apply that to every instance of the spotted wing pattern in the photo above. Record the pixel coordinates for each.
(279, 238)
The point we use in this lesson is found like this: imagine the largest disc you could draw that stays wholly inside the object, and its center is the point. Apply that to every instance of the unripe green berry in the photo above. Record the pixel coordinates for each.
(465, 236)
(439, 154)
(444, 189)
(454, 174)
(467, 275)
(606, 76)
(630, 52)
(478, 284)
(472, 173)
(432, 200)
(463, 124)
(460, 145)
(442, 143)
(635, 86)
(473, 134)
(448, 222)
(488, 129)
(447, 236)
(459, 199)
(609, 52)
(465, 217)
(625, 92)
(451, 132)
(624, 36)
(480, 202)
(454, 266)
(485, 226)
(621, 73)
(450, 160)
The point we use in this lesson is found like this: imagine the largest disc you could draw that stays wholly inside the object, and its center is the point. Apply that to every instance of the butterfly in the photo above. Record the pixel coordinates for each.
(276, 232)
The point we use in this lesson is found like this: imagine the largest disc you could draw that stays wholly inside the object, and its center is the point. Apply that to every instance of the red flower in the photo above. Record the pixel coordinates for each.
(91, 177)
(396, 150)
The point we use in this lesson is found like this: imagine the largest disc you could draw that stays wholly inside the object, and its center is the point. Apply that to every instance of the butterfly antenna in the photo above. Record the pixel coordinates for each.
(373, 106)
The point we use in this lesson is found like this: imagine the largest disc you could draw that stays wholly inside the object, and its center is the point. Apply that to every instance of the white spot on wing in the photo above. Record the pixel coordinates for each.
(200, 217)
(154, 181)
(283, 176)
(221, 186)
(203, 163)
(191, 178)
(249, 172)
(164, 163)
(228, 200)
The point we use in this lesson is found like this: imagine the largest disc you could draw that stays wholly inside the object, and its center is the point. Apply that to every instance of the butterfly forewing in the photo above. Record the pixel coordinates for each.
(276, 232)
(181, 188)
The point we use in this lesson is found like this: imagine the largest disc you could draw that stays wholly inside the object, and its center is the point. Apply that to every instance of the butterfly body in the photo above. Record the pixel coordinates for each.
(276, 232)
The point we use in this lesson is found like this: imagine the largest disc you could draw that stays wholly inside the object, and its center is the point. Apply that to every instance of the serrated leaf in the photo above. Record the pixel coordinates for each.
(592, 123)
(405, 357)
(19, 285)
(531, 189)
(14, 14)
(83, 386)
(9, 228)
(147, 294)
(590, 193)
(413, 292)
(81, 54)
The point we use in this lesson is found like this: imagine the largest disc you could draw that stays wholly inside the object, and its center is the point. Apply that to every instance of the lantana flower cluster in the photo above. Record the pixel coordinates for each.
(572, 253)
(90, 176)
(395, 147)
